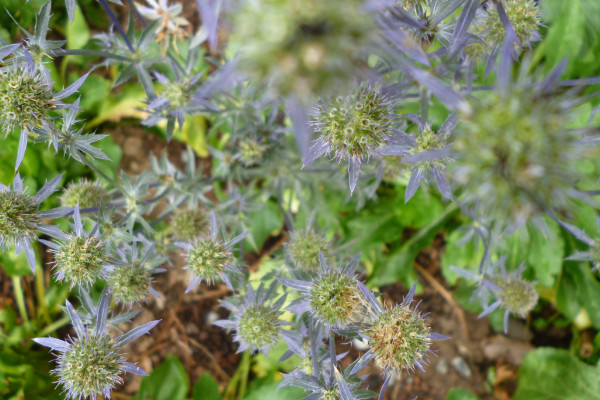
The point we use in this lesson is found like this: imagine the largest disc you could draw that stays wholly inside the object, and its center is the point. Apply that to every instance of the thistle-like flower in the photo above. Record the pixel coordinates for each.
(86, 193)
(256, 320)
(303, 48)
(355, 128)
(516, 152)
(81, 257)
(209, 258)
(21, 219)
(303, 248)
(189, 224)
(91, 365)
(515, 294)
(130, 280)
(399, 337)
(332, 298)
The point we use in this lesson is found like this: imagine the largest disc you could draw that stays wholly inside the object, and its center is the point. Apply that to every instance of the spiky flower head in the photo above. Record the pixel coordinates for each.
(130, 280)
(516, 153)
(525, 17)
(80, 258)
(27, 99)
(331, 298)
(303, 48)
(303, 248)
(209, 258)
(516, 295)
(251, 151)
(188, 224)
(399, 337)
(21, 219)
(91, 364)
(355, 128)
(256, 319)
(86, 193)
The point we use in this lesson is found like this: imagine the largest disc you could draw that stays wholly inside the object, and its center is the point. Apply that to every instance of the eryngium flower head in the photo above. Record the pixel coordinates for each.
(356, 128)
(20, 218)
(209, 258)
(85, 193)
(190, 223)
(130, 280)
(81, 257)
(26, 99)
(256, 320)
(525, 17)
(516, 155)
(304, 47)
(399, 337)
(90, 365)
(303, 248)
(332, 297)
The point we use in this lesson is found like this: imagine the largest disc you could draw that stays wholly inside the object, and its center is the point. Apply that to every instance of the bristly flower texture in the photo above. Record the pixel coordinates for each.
(331, 298)
(81, 257)
(355, 128)
(86, 193)
(256, 320)
(91, 365)
(303, 248)
(21, 219)
(515, 294)
(399, 337)
(516, 152)
(189, 224)
(209, 258)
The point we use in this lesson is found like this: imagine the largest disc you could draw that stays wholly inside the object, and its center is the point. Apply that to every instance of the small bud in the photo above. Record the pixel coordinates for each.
(259, 327)
(518, 296)
(18, 217)
(129, 284)
(207, 259)
(251, 151)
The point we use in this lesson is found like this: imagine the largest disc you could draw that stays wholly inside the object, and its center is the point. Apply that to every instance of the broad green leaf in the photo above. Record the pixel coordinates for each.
(266, 389)
(463, 255)
(556, 374)
(206, 388)
(265, 222)
(193, 134)
(78, 33)
(578, 290)
(168, 381)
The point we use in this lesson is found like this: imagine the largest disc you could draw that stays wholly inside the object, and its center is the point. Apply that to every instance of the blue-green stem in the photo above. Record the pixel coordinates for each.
(40, 292)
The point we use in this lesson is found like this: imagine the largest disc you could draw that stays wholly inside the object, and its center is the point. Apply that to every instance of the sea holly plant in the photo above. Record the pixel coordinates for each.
(90, 364)
(272, 96)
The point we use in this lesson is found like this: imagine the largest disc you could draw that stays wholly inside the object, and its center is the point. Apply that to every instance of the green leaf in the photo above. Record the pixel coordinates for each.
(193, 134)
(78, 33)
(206, 388)
(267, 389)
(168, 381)
(264, 222)
(465, 256)
(461, 394)
(555, 374)
(578, 290)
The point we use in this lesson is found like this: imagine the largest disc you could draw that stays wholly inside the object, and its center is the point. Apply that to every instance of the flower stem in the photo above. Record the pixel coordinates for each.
(20, 298)
(41, 294)
(245, 371)
(54, 326)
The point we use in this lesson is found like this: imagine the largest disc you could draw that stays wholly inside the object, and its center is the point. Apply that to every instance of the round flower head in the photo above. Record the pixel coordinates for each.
(130, 280)
(85, 193)
(516, 295)
(355, 128)
(303, 248)
(90, 365)
(305, 47)
(516, 153)
(189, 224)
(27, 99)
(209, 258)
(21, 219)
(332, 298)
(81, 257)
(251, 151)
(256, 320)
(399, 337)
